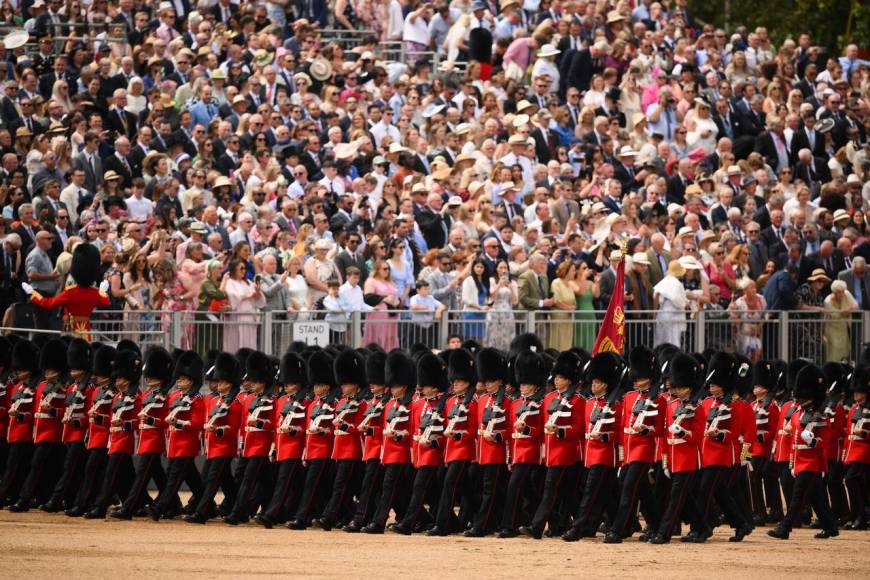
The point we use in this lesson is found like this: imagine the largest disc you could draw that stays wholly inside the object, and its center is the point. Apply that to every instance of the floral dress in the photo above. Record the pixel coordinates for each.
(500, 322)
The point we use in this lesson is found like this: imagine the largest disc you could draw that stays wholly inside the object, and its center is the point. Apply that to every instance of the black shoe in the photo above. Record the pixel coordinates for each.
(474, 533)
(352, 528)
(230, 520)
(153, 513)
(778, 532)
(322, 523)
(856, 525)
(95, 514)
(121, 514)
(401, 529)
(645, 536)
(530, 532)
(825, 534)
(741, 533)
(264, 521)
(611, 538)
(436, 531)
(75, 512)
(50, 507)
(775, 517)
(659, 539)
(20, 507)
(296, 524)
(552, 533)
(693, 538)
(505, 533)
(423, 527)
(195, 519)
(816, 524)
(759, 520)
(373, 529)
(572, 535)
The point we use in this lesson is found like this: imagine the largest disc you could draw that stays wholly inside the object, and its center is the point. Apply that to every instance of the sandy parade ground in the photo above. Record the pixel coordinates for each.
(39, 545)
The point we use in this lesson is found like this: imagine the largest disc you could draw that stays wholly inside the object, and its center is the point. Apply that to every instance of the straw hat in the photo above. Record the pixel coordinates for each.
(15, 39)
(614, 16)
(320, 69)
(640, 258)
(841, 214)
(676, 269)
(222, 181)
(548, 50)
(819, 274)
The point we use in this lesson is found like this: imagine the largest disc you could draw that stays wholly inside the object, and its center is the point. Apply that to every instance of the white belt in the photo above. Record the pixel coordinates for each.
(675, 441)
(43, 416)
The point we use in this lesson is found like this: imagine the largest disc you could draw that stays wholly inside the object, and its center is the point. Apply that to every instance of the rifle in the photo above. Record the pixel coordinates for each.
(860, 418)
(372, 413)
(719, 413)
(560, 407)
(530, 408)
(181, 405)
(398, 414)
(432, 423)
(292, 410)
(128, 403)
(154, 400)
(24, 396)
(346, 408)
(75, 401)
(605, 415)
(50, 394)
(686, 410)
(323, 412)
(645, 408)
(255, 413)
(493, 415)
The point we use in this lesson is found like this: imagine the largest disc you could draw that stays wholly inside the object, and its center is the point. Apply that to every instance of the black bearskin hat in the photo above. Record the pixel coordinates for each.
(128, 365)
(685, 372)
(861, 379)
(765, 374)
(643, 363)
(320, 369)
(79, 355)
(227, 369)
(376, 368)
(127, 344)
(809, 385)
(530, 368)
(210, 358)
(158, 365)
(350, 368)
(742, 375)
(491, 365)
(25, 357)
(189, 365)
(721, 371)
(85, 265)
(525, 342)
(569, 365)
(400, 370)
(53, 356)
(606, 367)
(794, 367)
(259, 369)
(104, 361)
(836, 377)
(432, 372)
(292, 370)
(461, 366)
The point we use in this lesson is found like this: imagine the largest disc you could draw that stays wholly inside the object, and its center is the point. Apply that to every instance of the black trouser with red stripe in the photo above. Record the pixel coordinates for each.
(369, 492)
(348, 477)
(248, 498)
(858, 483)
(425, 480)
(836, 488)
(73, 472)
(288, 487)
(597, 497)
(118, 479)
(493, 484)
(635, 487)
(558, 476)
(181, 469)
(44, 470)
(513, 515)
(148, 467)
(393, 493)
(714, 485)
(809, 488)
(95, 469)
(681, 505)
(786, 480)
(17, 468)
(216, 473)
(315, 475)
(764, 488)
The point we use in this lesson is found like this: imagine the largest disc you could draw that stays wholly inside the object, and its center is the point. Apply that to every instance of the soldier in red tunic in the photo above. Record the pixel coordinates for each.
(526, 416)
(99, 402)
(460, 436)
(563, 430)
(349, 371)
(400, 378)
(766, 500)
(79, 301)
(49, 402)
(7, 380)
(125, 408)
(810, 431)
(25, 367)
(184, 422)
(837, 383)
(151, 425)
(857, 454)
(290, 410)
(684, 429)
(603, 435)
(371, 431)
(782, 445)
(223, 419)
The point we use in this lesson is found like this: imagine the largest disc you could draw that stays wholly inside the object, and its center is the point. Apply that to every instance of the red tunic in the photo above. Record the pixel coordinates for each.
(837, 421)
(782, 445)
(125, 413)
(641, 446)
(602, 452)
(560, 448)
(319, 429)
(858, 429)
(22, 398)
(719, 449)
(49, 406)
(152, 422)
(290, 417)
(347, 443)
(396, 447)
(78, 303)
(188, 409)
(812, 456)
(259, 425)
(746, 429)
(75, 419)
(429, 449)
(492, 419)
(6, 386)
(100, 414)
(461, 445)
(225, 415)
(766, 421)
(683, 449)
(371, 427)
(526, 443)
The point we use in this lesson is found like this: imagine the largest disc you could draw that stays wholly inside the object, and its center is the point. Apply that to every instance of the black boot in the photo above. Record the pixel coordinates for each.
(531, 532)
(778, 532)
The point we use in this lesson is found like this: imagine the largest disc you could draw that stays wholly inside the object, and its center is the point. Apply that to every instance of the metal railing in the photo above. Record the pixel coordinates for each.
(816, 336)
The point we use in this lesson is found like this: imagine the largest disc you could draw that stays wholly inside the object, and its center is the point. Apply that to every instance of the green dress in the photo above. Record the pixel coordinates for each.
(584, 329)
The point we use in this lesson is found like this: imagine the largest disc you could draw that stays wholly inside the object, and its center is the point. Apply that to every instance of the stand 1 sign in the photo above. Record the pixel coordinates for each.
(311, 333)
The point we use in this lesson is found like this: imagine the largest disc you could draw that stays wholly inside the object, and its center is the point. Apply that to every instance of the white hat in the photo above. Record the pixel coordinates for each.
(690, 263)
(322, 244)
(598, 206)
(675, 207)
(397, 148)
(853, 179)
(432, 110)
(462, 128)
(517, 139)
(165, 6)
(627, 151)
(734, 170)
(685, 231)
(615, 256)
(520, 120)
(15, 39)
(640, 258)
(454, 200)
(509, 186)
(841, 214)
(548, 50)
(320, 69)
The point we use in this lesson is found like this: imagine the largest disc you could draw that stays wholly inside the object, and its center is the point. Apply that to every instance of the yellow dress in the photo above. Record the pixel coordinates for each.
(561, 335)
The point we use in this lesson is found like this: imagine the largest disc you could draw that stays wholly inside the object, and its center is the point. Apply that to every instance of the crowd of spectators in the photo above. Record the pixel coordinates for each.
(231, 158)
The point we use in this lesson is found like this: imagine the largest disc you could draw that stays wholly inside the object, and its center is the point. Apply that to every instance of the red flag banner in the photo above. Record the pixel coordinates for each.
(611, 334)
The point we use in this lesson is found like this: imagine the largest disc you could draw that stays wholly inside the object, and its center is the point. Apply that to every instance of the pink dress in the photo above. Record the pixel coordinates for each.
(241, 323)
(381, 327)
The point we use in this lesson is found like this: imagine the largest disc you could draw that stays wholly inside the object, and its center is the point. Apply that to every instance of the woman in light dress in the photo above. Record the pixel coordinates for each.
(702, 128)
(670, 299)
(839, 304)
(381, 327)
(500, 322)
(319, 271)
(297, 289)
(561, 335)
(748, 310)
(245, 301)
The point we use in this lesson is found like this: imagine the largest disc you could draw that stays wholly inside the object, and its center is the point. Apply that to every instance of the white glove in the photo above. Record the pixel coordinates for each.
(807, 436)
(28, 289)
(104, 286)
(674, 429)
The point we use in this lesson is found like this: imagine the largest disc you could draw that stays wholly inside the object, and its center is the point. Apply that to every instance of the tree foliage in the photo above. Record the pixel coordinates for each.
(826, 20)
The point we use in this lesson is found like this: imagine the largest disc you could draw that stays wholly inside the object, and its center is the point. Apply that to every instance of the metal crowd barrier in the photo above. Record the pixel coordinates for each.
(819, 337)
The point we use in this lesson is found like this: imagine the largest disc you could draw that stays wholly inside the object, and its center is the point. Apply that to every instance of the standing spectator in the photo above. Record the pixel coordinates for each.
(671, 301)
(425, 312)
(839, 304)
(381, 326)
(500, 321)
(748, 312)
(807, 334)
(586, 291)
(42, 276)
(297, 288)
(245, 300)
(475, 301)
(212, 304)
(561, 332)
(274, 289)
(319, 271)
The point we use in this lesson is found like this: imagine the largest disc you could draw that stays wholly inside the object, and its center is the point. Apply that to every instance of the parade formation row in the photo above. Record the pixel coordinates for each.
(473, 441)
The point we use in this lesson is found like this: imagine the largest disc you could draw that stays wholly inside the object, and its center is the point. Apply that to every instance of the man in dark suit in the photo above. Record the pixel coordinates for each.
(678, 182)
(585, 63)
(508, 206)
(224, 11)
(546, 140)
(119, 162)
(774, 233)
(11, 271)
(813, 170)
(311, 158)
(351, 256)
(121, 121)
(624, 171)
(432, 222)
(758, 251)
(491, 256)
(658, 258)
(230, 160)
(58, 73)
(808, 138)
(772, 145)
(727, 122)
(857, 279)
(212, 221)
(753, 122)
(27, 228)
(50, 22)
(88, 160)
(825, 259)
(795, 257)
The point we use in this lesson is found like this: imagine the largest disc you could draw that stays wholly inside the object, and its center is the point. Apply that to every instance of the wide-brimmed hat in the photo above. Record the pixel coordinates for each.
(614, 16)
(818, 274)
(627, 151)
(548, 50)
(320, 69)
(640, 258)
(15, 39)
(110, 175)
(841, 214)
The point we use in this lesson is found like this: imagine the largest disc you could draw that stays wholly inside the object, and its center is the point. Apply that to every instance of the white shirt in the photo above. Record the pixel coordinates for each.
(380, 130)
(352, 298)
(337, 185)
(139, 208)
(416, 30)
